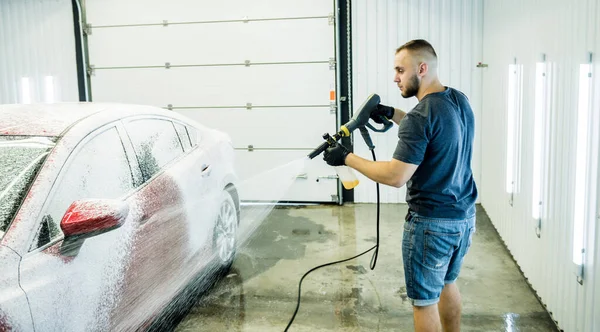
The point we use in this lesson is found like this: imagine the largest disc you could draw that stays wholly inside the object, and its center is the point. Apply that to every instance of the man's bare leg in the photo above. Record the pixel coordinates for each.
(427, 319)
(450, 308)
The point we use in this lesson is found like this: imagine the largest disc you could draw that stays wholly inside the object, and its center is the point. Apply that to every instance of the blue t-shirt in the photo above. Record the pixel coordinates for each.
(438, 136)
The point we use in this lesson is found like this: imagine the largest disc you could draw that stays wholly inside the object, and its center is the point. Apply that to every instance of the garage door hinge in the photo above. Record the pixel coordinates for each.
(331, 63)
(91, 70)
(250, 148)
(87, 29)
(165, 23)
(167, 65)
(331, 19)
(334, 198)
(248, 106)
(332, 108)
(247, 63)
(170, 107)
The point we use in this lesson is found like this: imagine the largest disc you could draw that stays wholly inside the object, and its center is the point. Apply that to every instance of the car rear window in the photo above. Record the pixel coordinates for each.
(21, 158)
(183, 136)
(194, 136)
(155, 142)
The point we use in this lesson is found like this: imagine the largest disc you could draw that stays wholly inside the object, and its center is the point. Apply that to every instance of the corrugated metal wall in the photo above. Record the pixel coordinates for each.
(37, 53)
(379, 27)
(563, 33)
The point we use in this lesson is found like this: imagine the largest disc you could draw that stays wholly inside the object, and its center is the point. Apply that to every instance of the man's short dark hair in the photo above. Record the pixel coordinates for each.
(418, 46)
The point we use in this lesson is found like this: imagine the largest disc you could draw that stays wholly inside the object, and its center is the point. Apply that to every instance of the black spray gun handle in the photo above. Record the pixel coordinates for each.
(387, 124)
(366, 137)
(362, 116)
(360, 121)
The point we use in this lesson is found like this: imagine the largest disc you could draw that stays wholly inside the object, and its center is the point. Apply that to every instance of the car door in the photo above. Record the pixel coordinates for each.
(160, 265)
(200, 174)
(191, 171)
(75, 291)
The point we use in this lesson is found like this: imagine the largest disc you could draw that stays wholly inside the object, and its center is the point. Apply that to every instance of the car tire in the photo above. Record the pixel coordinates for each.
(225, 231)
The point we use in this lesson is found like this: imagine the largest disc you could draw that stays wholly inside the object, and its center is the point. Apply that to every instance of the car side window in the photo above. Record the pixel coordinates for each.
(99, 169)
(183, 136)
(155, 143)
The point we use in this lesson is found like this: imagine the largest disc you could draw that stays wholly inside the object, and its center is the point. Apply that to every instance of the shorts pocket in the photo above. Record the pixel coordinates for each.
(439, 248)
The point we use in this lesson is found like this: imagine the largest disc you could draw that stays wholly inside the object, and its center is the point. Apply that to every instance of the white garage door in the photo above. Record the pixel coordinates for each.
(259, 70)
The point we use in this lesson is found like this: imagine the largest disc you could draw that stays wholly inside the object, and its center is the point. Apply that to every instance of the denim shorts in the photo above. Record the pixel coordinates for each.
(433, 252)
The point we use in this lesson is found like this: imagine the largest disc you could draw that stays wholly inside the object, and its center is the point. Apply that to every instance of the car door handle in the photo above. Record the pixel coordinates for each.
(206, 170)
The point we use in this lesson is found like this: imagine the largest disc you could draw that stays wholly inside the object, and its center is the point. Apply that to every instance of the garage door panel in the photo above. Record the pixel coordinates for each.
(190, 56)
(113, 12)
(282, 175)
(227, 43)
(273, 85)
(269, 128)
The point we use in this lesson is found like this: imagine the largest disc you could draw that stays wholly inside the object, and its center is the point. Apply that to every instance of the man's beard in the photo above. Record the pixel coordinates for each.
(412, 88)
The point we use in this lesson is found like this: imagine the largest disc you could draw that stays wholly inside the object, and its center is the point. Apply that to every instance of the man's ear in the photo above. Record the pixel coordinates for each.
(423, 68)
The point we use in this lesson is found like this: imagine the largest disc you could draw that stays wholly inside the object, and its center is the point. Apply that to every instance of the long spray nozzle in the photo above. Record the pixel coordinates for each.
(329, 141)
(359, 120)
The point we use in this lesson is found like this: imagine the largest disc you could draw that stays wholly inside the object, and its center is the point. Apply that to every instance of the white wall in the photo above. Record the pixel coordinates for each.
(37, 41)
(379, 27)
(565, 31)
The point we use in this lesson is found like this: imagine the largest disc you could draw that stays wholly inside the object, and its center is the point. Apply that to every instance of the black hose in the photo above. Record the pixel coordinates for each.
(376, 253)
(373, 258)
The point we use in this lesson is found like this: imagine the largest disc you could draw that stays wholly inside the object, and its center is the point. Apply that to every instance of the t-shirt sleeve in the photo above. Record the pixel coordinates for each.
(412, 138)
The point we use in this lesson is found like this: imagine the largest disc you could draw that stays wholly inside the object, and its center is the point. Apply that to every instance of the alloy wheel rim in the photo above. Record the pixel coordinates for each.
(226, 229)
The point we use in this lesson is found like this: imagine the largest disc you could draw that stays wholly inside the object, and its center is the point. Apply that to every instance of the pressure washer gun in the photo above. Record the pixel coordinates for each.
(360, 121)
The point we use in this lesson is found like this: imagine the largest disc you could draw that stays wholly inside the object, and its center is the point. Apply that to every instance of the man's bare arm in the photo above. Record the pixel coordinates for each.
(393, 173)
(398, 115)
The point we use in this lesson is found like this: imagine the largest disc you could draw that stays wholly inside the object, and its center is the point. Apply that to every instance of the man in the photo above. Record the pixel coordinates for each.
(433, 157)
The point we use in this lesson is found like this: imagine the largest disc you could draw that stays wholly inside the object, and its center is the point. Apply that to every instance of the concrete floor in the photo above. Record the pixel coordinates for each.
(260, 292)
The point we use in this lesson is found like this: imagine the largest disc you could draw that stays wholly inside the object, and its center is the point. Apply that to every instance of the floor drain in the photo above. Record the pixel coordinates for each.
(300, 232)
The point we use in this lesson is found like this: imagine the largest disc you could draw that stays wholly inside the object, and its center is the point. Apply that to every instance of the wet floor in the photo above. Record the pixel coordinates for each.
(260, 291)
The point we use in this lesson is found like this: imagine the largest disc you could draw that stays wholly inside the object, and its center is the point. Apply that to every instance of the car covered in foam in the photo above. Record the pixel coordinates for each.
(107, 213)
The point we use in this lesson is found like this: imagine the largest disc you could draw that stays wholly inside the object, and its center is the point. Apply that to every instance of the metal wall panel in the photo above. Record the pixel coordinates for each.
(36, 42)
(523, 32)
(379, 27)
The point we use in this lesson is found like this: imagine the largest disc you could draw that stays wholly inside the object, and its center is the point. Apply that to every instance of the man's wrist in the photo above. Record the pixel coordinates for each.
(390, 112)
(346, 158)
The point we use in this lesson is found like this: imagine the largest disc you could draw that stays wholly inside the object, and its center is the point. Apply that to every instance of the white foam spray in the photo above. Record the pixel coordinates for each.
(273, 184)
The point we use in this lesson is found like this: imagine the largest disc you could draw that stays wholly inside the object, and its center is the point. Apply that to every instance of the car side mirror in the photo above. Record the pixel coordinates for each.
(88, 218)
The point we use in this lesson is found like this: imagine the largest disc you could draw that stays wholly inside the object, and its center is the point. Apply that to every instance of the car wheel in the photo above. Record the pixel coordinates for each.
(226, 230)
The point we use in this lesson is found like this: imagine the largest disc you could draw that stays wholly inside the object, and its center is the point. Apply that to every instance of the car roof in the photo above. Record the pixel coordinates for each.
(54, 119)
